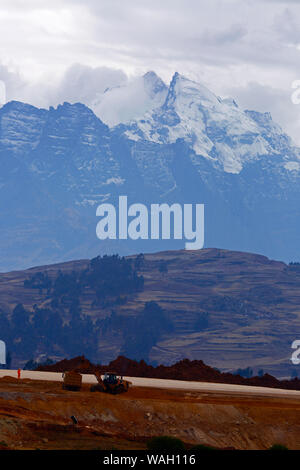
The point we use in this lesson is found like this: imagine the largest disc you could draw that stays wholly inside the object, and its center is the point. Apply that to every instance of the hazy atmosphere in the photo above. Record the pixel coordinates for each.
(69, 50)
(149, 229)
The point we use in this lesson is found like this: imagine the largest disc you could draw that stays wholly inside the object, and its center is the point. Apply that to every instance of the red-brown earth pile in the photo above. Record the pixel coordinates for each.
(182, 370)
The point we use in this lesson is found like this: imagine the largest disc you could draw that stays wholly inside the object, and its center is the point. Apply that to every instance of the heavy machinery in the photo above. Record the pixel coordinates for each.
(72, 380)
(110, 383)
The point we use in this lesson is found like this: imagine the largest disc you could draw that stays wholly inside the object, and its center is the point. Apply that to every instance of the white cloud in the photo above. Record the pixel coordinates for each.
(83, 83)
(130, 101)
(225, 43)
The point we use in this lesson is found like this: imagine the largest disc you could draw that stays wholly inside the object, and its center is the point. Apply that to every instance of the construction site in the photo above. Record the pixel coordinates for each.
(71, 411)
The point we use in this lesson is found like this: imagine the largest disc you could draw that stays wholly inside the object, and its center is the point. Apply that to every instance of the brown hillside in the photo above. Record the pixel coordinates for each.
(252, 304)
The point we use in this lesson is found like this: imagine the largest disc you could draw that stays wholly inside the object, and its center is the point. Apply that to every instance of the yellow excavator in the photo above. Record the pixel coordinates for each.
(111, 383)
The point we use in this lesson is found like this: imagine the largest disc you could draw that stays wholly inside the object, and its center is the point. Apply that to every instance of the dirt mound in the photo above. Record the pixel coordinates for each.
(8, 379)
(79, 363)
(182, 370)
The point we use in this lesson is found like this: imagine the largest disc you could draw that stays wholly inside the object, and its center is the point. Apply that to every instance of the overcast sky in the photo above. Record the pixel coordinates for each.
(62, 50)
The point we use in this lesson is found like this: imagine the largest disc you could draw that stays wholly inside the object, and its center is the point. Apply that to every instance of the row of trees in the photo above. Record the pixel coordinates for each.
(112, 277)
(140, 333)
(44, 331)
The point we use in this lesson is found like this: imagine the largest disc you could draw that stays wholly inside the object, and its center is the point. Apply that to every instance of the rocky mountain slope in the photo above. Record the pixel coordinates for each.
(190, 146)
(230, 309)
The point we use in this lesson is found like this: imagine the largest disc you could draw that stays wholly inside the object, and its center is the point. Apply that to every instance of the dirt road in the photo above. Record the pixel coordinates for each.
(204, 387)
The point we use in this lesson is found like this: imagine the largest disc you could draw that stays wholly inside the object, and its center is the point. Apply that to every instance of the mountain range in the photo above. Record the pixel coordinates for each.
(181, 143)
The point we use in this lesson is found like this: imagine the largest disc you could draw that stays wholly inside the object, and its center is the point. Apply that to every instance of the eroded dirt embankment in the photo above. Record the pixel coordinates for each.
(35, 414)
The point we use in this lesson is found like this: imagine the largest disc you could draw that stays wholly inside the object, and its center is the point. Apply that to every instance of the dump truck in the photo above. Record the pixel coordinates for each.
(72, 380)
(111, 383)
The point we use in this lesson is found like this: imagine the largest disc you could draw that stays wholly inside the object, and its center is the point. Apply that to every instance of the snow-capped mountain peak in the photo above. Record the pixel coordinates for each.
(214, 128)
(57, 165)
(182, 90)
(154, 86)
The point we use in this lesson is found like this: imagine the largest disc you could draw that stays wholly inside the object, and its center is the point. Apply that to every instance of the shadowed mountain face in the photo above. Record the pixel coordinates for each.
(230, 309)
(191, 146)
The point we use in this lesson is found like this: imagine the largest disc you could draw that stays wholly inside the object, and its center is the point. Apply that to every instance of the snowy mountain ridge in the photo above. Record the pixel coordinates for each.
(214, 128)
(183, 144)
